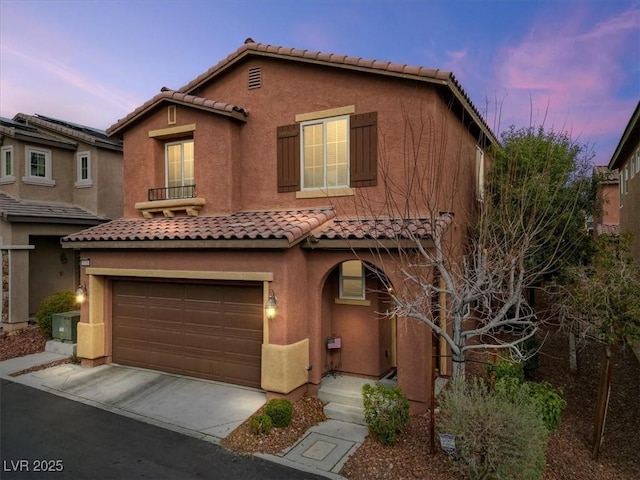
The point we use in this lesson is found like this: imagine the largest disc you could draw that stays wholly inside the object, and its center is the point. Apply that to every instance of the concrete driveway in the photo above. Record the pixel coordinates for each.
(200, 408)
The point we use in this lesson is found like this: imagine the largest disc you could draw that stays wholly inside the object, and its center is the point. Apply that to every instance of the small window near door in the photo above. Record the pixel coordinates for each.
(352, 280)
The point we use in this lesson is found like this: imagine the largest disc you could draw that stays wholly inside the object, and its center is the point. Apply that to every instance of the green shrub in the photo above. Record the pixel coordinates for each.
(57, 303)
(530, 348)
(261, 424)
(280, 410)
(509, 369)
(548, 402)
(495, 437)
(386, 411)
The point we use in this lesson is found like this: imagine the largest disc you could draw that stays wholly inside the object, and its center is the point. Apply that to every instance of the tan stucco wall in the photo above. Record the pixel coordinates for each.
(284, 367)
(17, 316)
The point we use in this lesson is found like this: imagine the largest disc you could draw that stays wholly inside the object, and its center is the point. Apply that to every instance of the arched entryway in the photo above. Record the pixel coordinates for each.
(358, 328)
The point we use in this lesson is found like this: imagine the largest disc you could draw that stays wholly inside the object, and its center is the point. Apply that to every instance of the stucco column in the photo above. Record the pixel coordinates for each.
(14, 307)
(91, 328)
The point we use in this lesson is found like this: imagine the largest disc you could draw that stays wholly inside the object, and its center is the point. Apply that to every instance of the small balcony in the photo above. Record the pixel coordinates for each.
(167, 201)
(167, 193)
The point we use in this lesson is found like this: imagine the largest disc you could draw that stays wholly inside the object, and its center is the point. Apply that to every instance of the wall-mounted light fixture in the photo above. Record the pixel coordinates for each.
(81, 294)
(270, 305)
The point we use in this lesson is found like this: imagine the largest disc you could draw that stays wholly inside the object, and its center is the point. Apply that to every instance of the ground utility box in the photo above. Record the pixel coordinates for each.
(64, 326)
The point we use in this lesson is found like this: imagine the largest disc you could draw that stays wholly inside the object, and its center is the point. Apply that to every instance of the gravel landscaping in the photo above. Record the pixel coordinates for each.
(569, 448)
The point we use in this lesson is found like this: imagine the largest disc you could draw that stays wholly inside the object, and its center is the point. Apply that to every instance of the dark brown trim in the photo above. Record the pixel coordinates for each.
(363, 141)
(288, 138)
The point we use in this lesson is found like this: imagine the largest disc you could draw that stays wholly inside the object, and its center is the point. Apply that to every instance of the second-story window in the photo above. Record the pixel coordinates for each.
(6, 166)
(83, 169)
(180, 169)
(325, 153)
(38, 168)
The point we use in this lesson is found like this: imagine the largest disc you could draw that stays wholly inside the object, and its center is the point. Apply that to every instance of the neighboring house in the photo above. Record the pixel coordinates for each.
(626, 159)
(56, 178)
(608, 220)
(242, 192)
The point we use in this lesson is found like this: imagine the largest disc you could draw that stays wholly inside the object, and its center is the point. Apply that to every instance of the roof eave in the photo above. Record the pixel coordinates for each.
(446, 79)
(118, 129)
(177, 244)
(361, 243)
(52, 220)
(632, 131)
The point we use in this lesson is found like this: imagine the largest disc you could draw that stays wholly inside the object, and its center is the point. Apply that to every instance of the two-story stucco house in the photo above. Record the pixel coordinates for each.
(626, 159)
(56, 178)
(243, 190)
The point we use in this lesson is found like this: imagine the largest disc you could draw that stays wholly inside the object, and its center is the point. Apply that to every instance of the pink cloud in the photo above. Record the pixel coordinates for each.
(567, 75)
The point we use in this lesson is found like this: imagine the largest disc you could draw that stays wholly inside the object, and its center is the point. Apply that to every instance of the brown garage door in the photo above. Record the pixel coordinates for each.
(211, 331)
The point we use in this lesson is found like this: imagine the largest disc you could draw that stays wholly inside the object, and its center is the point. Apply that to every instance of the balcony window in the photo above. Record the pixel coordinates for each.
(180, 169)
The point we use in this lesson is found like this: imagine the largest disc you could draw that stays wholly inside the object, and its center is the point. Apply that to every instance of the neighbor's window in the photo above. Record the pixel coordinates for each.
(180, 169)
(6, 173)
(83, 169)
(352, 280)
(38, 169)
(325, 153)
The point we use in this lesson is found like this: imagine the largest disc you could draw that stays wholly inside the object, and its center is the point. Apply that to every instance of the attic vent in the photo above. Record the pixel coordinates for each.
(171, 114)
(255, 77)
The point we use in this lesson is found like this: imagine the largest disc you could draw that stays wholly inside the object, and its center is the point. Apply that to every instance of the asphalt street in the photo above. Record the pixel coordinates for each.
(44, 436)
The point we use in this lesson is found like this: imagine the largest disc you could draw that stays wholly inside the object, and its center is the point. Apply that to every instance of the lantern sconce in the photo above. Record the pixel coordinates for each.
(270, 305)
(81, 294)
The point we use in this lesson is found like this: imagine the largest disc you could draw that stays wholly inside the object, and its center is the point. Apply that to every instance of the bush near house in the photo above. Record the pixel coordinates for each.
(261, 424)
(280, 410)
(57, 303)
(386, 411)
(544, 398)
(497, 436)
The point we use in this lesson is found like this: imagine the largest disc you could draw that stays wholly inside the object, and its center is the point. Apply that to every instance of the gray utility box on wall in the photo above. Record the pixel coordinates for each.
(64, 326)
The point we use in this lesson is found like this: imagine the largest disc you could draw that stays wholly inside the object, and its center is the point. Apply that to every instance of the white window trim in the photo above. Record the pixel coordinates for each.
(80, 182)
(47, 180)
(4, 179)
(322, 191)
(363, 293)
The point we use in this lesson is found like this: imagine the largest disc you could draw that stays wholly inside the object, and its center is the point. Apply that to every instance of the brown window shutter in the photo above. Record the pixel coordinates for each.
(289, 158)
(364, 149)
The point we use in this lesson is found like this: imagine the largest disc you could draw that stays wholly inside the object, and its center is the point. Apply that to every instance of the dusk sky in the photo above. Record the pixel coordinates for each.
(572, 65)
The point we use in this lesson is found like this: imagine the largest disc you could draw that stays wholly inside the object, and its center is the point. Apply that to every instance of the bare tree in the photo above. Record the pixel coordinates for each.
(465, 257)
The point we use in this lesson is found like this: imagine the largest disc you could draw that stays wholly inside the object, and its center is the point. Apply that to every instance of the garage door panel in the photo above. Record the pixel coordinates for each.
(163, 291)
(239, 295)
(212, 343)
(204, 330)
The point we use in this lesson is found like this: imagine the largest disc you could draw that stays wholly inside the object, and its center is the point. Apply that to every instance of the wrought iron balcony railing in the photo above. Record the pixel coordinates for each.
(169, 193)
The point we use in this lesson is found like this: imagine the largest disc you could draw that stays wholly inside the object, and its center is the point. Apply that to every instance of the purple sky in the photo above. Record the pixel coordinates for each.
(572, 65)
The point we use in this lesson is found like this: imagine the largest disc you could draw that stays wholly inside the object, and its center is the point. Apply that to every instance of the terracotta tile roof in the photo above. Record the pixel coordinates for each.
(289, 225)
(606, 175)
(173, 96)
(432, 75)
(74, 131)
(13, 210)
(608, 229)
(383, 229)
